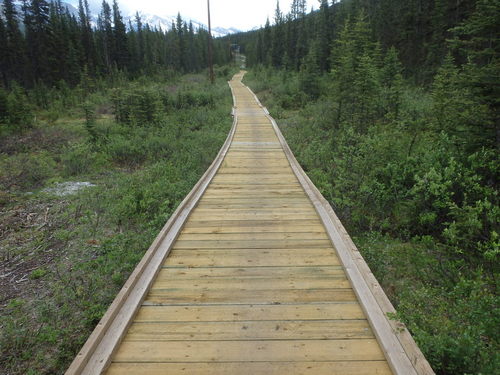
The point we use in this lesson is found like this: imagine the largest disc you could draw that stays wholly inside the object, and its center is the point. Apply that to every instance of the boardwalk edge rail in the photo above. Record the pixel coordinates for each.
(402, 353)
(95, 355)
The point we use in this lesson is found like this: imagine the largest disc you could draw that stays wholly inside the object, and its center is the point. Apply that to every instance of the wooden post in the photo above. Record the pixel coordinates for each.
(210, 53)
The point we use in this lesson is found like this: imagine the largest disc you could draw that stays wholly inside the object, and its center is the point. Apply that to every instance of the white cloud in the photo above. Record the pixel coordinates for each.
(241, 14)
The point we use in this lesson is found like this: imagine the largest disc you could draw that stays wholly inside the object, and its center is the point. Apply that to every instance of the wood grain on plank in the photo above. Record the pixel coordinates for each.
(250, 330)
(249, 351)
(229, 313)
(253, 368)
(302, 272)
(246, 296)
(246, 243)
(235, 283)
(253, 236)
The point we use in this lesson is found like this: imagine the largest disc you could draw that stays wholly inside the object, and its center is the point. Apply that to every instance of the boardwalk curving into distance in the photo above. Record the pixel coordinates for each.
(253, 274)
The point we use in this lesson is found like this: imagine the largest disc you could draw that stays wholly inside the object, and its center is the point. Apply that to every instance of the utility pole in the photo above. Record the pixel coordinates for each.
(210, 53)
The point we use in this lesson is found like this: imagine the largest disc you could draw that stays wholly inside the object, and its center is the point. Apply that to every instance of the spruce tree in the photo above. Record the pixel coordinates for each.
(105, 29)
(392, 81)
(324, 41)
(267, 43)
(14, 57)
(366, 91)
(3, 62)
(121, 55)
(140, 37)
(86, 34)
(309, 75)
(303, 43)
(36, 21)
(278, 37)
(459, 112)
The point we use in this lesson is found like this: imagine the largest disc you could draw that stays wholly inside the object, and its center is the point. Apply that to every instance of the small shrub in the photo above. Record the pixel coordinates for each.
(27, 171)
(126, 151)
(80, 159)
(137, 106)
(15, 110)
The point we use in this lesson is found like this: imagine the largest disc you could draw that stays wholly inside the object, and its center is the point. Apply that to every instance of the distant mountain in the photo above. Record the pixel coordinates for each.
(165, 22)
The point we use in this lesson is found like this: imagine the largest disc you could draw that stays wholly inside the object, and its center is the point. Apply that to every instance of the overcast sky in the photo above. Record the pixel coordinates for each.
(241, 14)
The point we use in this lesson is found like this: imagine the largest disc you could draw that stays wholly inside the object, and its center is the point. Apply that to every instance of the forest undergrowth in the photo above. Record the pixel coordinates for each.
(143, 144)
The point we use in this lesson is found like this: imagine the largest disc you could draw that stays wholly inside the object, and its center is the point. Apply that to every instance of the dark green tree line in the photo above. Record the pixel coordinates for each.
(44, 44)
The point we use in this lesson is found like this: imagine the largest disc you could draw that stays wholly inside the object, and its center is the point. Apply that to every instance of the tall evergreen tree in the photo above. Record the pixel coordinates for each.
(87, 37)
(36, 21)
(392, 81)
(121, 54)
(14, 49)
(105, 29)
(298, 9)
(140, 36)
(459, 112)
(309, 75)
(278, 37)
(324, 40)
(3, 63)
(267, 43)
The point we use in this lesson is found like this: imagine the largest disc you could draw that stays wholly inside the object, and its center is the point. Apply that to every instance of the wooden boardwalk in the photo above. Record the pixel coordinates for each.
(251, 281)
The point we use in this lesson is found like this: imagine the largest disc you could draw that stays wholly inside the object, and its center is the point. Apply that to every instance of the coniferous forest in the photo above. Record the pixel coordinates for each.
(42, 43)
(390, 106)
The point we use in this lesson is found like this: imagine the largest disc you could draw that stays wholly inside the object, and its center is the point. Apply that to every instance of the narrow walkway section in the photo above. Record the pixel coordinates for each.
(253, 284)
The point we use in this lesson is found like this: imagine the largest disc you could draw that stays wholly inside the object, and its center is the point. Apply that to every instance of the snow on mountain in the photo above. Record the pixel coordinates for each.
(165, 22)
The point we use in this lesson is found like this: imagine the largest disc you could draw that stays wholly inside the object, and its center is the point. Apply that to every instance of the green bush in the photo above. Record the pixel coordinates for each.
(137, 106)
(126, 151)
(27, 170)
(453, 321)
(80, 159)
(16, 113)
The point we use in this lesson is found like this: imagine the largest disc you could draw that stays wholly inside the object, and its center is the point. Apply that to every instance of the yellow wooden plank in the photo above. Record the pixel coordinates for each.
(249, 351)
(260, 190)
(250, 200)
(251, 330)
(255, 257)
(249, 284)
(234, 161)
(261, 211)
(251, 236)
(255, 182)
(253, 204)
(253, 194)
(249, 225)
(277, 228)
(253, 368)
(257, 215)
(246, 243)
(271, 170)
(264, 157)
(241, 296)
(250, 272)
(242, 312)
